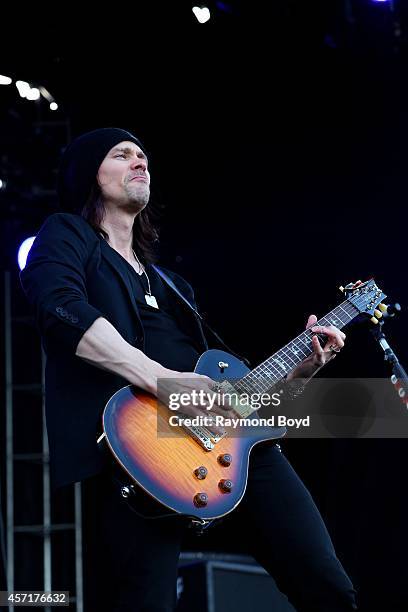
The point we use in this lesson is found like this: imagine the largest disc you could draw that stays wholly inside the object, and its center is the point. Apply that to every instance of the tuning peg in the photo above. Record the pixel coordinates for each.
(378, 314)
(389, 310)
(374, 320)
(341, 288)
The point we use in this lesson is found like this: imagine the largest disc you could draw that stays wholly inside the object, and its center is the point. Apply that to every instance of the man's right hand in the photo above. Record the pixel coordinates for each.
(205, 400)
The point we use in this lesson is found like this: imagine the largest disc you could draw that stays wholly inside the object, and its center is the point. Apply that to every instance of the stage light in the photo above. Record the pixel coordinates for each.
(202, 13)
(5, 80)
(25, 91)
(2, 184)
(23, 88)
(33, 94)
(23, 252)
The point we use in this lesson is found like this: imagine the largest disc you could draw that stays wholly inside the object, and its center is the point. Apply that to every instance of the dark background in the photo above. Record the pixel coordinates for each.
(278, 145)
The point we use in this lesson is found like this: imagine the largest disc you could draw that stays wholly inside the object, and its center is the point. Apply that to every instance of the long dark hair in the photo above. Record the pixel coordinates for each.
(145, 227)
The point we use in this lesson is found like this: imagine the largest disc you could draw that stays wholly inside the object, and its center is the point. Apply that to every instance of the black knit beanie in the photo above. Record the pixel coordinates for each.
(80, 163)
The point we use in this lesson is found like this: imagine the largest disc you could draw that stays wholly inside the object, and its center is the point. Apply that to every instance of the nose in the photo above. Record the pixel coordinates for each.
(138, 162)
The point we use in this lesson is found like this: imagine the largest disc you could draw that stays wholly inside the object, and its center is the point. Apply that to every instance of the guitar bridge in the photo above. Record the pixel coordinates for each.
(203, 436)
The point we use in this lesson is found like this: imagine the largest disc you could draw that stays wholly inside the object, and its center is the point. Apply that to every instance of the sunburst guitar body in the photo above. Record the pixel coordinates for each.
(201, 478)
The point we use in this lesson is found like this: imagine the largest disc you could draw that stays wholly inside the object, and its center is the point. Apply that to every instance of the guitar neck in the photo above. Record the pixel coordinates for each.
(271, 371)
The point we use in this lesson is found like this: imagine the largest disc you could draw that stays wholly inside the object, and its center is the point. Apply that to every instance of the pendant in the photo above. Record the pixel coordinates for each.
(151, 300)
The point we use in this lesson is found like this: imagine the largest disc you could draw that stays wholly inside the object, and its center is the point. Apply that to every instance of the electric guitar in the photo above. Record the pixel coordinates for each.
(194, 472)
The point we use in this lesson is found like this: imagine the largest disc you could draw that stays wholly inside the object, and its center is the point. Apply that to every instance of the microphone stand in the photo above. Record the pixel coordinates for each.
(399, 377)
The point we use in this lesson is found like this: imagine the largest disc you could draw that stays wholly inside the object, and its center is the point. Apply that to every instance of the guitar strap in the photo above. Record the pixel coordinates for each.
(172, 285)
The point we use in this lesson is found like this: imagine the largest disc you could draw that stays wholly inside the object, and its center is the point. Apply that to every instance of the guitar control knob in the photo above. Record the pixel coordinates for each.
(200, 500)
(201, 472)
(225, 485)
(225, 459)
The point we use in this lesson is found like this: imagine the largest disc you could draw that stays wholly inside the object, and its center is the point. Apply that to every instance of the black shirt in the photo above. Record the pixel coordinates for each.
(167, 340)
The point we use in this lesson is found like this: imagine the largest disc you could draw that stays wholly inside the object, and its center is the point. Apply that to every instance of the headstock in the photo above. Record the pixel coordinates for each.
(367, 298)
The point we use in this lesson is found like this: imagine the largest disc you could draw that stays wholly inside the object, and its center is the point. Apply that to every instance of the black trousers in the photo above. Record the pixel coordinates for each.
(131, 563)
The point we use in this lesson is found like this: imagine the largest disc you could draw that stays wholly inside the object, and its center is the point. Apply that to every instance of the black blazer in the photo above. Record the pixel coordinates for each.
(71, 278)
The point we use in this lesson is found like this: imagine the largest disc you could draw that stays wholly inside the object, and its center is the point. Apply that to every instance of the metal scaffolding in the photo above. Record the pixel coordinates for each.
(47, 527)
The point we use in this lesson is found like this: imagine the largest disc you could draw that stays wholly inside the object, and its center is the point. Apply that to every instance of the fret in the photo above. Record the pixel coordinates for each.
(267, 376)
(295, 350)
(256, 382)
(266, 366)
(241, 386)
(307, 342)
(329, 322)
(295, 362)
(283, 364)
(348, 314)
(265, 372)
(261, 386)
(333, 318)
(253, 378)
(299, 347)
(275, 363)
(244, 389)
(280, 364)
(337, 314)
(284, 361)
(254, 385)
(303, 342)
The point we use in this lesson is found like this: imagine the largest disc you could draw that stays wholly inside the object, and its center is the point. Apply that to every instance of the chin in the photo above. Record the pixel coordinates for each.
(138, 201)
(139, 204)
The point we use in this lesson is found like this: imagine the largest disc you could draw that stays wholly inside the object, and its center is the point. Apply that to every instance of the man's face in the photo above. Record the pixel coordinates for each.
(123, 177)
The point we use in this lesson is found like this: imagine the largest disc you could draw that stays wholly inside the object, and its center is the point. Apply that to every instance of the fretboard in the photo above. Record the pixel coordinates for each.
(271, 371)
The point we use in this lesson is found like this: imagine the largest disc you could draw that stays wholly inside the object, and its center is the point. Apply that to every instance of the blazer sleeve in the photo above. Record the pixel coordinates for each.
(54, 280)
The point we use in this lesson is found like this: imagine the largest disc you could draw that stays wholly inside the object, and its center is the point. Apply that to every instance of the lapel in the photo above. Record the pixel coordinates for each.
(110, 257)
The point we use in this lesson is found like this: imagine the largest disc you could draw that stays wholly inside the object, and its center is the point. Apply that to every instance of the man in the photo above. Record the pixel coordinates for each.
(107, 319)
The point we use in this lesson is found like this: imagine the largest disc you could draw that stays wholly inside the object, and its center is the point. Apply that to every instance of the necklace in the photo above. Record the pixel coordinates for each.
(150, 299)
